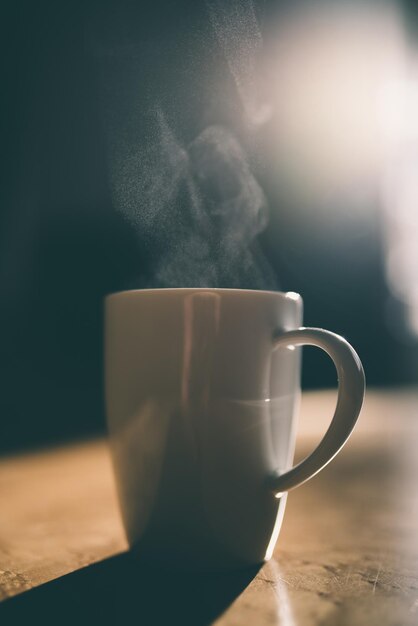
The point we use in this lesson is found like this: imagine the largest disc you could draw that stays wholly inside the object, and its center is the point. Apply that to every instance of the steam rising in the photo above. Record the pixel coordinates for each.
(197, 205)
(236, 27)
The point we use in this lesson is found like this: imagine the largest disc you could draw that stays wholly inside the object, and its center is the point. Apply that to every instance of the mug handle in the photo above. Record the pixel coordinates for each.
(351, 386)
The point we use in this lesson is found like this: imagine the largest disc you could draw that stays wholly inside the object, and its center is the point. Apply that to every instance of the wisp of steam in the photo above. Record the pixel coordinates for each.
(196, 204)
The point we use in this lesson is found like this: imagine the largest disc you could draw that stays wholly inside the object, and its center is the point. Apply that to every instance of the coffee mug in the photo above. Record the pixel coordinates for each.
(202, 394)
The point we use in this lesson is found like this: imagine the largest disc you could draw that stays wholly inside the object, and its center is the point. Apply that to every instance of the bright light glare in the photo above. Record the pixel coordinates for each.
(400, 203)
(332, 71)
(345, 99)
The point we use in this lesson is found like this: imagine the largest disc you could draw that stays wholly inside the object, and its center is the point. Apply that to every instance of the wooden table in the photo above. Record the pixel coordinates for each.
(347, 554)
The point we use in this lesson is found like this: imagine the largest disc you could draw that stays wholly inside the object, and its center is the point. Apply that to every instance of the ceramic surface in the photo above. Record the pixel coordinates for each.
(202, 391)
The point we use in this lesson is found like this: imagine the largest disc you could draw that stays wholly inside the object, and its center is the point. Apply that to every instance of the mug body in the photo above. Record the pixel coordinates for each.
(200, 412)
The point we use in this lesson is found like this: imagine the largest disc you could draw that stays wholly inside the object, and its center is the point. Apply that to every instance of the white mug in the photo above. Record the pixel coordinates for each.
(202, 391)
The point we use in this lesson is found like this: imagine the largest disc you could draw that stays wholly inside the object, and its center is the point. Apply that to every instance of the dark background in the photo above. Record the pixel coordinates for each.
(64, 245)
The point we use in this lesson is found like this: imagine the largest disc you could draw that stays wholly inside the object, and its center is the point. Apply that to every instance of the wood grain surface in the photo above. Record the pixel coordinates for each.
(347, 554)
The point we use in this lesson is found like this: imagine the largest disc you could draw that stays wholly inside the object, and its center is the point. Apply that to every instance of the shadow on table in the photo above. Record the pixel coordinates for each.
(120, 590)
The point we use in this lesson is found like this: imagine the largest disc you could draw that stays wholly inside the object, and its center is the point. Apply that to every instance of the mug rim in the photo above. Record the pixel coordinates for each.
(285, 295)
